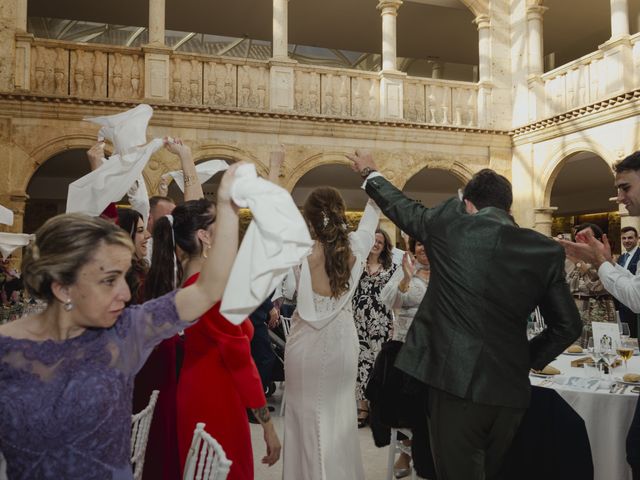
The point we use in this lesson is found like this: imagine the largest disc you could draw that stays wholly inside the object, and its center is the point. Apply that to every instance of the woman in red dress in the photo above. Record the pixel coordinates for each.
(218, 379)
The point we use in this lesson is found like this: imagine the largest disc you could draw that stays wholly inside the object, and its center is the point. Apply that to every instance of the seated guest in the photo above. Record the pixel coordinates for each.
(404, 293)
(592, 299)
(67, 373)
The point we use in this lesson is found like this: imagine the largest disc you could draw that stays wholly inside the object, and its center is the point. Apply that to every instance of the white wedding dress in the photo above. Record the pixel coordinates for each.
(321, 361)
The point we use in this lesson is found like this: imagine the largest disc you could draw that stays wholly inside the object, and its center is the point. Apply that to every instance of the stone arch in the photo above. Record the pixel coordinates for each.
(230, 153)
(477, 7)
(304, 167)
(558, 159)
(48, 150)
(456, 168)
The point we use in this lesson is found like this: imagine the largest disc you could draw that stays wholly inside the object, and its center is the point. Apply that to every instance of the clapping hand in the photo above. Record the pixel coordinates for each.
(588, 248)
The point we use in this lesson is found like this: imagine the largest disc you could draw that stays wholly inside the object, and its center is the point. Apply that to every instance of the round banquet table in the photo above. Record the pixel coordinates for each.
(607, 416)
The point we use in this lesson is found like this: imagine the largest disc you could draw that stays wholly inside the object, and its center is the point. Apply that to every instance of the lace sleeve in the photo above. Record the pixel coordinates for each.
(142, 327)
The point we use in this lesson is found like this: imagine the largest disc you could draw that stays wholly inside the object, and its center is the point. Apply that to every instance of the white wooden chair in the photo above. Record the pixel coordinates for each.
(206, 459)
(396, 447)
(141, 422)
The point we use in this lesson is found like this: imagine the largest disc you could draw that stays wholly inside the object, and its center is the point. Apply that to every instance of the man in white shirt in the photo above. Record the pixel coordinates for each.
(620, 282)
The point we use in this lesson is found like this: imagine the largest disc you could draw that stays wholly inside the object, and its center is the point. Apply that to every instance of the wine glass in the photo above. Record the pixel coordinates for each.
(626, 349)
(624, 330)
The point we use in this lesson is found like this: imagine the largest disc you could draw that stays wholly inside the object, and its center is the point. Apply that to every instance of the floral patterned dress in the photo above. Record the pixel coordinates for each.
(373, 322)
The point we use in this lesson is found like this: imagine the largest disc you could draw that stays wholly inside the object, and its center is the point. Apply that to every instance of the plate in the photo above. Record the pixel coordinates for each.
(548, 375)
(575, 354)
(620, 380)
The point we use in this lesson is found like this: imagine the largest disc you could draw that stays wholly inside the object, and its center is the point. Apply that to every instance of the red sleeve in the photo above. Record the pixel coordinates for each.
(235, 350)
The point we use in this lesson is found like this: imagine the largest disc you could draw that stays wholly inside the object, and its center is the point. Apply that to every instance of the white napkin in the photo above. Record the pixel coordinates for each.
(92, 193)
(12, 241)
(6, 215)
(139, 199)
(108, 183)
(276, 240)
(125, 130)
(205, 170)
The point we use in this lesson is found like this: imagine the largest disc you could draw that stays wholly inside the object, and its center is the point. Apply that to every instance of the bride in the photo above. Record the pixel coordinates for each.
(321, 361)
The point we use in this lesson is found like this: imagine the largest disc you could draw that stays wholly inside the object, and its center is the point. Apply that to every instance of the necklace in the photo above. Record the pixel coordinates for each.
(373, 271)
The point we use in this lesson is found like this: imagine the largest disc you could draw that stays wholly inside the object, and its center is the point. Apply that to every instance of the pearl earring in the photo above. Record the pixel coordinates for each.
(68, 306)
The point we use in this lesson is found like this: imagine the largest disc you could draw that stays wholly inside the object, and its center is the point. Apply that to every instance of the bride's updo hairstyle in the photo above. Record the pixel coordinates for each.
(63, 245)
(324, 211)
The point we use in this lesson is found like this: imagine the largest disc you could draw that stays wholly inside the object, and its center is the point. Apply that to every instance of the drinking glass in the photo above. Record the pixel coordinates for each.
(624, 330)
(626, 349)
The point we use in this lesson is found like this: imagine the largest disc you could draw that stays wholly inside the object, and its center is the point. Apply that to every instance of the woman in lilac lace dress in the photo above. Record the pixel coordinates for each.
(66, 375)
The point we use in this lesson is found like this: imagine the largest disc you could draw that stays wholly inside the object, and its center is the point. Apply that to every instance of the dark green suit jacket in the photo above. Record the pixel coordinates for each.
(487, 275)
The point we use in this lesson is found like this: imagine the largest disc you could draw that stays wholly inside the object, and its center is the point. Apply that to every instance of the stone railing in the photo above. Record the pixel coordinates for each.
(575, 84)
(102, 72)
(441, 102)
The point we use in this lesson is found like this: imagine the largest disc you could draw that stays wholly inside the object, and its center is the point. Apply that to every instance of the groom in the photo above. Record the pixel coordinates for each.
(468, 341)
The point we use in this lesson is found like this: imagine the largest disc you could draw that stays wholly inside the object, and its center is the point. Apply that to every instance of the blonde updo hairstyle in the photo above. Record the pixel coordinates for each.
(324, 211)
(62, 246)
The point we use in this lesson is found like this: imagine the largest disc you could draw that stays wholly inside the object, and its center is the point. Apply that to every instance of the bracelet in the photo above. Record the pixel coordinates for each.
(189, 179)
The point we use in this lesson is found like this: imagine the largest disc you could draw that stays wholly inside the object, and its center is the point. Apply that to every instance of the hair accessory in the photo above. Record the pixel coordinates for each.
(68, 306)
(325, 219)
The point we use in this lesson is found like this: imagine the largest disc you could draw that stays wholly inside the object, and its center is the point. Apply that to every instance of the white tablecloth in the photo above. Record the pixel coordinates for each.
(607, 416)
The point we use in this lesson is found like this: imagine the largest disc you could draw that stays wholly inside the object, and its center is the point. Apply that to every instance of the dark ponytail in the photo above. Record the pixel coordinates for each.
(188, 218)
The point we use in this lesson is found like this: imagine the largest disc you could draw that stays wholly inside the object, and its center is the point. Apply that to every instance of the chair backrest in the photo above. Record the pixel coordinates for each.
(286, 325)
(206, 459)
(140, 424)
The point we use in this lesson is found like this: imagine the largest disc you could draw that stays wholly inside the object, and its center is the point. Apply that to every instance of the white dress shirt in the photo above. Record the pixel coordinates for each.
(622, 284)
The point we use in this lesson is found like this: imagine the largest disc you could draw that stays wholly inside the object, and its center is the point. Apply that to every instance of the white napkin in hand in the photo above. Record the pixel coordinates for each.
(12, 241)
(205, 170)
(276, 240)
(139, 199)
(125, 130)
(110, 182)
(6, 215)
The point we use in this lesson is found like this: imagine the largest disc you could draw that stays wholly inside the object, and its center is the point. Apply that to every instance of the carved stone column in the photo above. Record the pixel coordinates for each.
(156, 56)
(619, 18)
(281, 74)
(21, 16)
(535, 59)
(156, 22)
(389, 12)
(280, 41)
(534, 32)
(544, 219)
(484, 70)
(391, 81)
(436, 69)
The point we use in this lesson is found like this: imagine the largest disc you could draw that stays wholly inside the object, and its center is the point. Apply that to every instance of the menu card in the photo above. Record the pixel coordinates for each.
(606, 336)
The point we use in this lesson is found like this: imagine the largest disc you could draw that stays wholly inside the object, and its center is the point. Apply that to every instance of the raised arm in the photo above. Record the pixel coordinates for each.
(192, 187)
(194, 300)
(365, 236)
(410, 216)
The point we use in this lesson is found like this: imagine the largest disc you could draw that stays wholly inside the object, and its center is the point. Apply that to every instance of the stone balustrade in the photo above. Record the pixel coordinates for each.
(575, 84)
(441, 102)
(105, 72)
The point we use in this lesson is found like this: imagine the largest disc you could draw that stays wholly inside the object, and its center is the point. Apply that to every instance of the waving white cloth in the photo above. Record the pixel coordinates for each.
(139, 199)
(205, 171)
(276, 240)
(6, 215)
(110, 182)
(12, 241)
